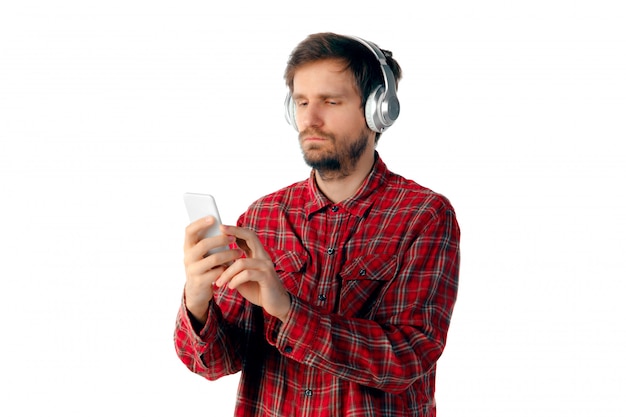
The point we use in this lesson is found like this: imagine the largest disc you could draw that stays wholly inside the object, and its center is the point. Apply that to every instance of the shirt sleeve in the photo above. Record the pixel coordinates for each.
(408, 332)
(208, 351)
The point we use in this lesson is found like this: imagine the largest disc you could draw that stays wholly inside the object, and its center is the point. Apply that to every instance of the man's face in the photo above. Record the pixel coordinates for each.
(333, 132)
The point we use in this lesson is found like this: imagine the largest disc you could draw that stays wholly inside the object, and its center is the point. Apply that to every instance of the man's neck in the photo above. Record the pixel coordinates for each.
(339, 186)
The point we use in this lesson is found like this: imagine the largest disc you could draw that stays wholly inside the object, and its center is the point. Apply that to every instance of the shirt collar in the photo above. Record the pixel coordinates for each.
(357, 205)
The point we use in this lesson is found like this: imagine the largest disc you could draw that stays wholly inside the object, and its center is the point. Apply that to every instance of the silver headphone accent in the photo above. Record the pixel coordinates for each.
(382, 107)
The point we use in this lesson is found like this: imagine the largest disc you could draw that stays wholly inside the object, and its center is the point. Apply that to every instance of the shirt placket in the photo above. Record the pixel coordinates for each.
(334, 230)
(336, 226)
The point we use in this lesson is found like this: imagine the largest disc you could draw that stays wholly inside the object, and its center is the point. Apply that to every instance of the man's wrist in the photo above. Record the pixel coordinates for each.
(283, 317)
(198, 316)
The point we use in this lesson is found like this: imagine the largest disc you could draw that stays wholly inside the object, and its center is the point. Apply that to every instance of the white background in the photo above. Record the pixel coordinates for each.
(110, 111)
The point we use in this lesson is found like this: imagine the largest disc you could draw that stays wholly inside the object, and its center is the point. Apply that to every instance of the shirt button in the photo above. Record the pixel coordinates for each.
(321, 297)
(330, 251)
(308, 393)
(362, 272)
(288, 349)
(335, 209)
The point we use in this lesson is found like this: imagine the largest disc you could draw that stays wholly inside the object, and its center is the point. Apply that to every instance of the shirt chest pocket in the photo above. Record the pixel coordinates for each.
(362, 280)
(289, 265)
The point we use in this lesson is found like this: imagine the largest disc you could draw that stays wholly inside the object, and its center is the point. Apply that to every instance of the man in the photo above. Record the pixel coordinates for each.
(342, 302)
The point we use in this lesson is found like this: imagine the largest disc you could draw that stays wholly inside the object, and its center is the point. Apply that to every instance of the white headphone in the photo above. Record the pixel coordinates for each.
(382, 106)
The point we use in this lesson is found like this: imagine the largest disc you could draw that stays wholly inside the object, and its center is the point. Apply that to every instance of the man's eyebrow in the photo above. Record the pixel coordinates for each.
(323, 96)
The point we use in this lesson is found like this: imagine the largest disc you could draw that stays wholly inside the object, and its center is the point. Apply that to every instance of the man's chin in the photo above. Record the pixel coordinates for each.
(322, 164)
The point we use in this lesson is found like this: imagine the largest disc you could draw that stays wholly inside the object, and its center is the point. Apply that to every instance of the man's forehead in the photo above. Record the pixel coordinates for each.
(331, 77)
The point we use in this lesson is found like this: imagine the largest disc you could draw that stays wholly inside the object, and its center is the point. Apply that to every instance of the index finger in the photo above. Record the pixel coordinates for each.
(193, 230)
(247, 240)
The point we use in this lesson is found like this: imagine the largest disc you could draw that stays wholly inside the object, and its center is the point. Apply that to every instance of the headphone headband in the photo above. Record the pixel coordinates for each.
(388, 77)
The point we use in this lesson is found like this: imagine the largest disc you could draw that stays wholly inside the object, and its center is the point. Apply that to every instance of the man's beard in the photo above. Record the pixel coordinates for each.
(342, 161)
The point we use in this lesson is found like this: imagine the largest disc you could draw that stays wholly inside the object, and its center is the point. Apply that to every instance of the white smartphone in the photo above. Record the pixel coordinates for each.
(203, 205)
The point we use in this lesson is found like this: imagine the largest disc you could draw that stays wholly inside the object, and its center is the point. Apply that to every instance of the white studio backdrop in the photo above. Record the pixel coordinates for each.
(110, 111)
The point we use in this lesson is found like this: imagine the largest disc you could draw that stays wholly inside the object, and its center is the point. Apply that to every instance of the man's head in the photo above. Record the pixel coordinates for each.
(374, 74)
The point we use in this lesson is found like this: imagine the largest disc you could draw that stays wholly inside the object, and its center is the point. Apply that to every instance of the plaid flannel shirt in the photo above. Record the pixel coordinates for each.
(373, 281)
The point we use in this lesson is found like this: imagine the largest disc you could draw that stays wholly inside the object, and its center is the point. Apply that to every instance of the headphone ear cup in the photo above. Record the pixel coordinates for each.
(381, 109)
(290, 111)
(372, 112)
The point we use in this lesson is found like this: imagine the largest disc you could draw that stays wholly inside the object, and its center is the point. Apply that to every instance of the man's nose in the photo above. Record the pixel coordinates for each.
(309, 116)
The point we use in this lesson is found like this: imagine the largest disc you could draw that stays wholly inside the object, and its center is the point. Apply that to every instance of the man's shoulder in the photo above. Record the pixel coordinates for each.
(268, 212)
(288, 199)
(286, 194)
(408, 192)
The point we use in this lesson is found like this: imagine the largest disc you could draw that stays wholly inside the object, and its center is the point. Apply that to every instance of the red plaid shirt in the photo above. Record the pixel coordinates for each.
(373, 281)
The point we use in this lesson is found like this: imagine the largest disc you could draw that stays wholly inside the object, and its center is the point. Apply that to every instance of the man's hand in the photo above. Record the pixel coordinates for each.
(254, 276)
(202, 271)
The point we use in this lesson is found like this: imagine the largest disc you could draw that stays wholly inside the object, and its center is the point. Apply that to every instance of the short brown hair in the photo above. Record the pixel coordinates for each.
(359, 59)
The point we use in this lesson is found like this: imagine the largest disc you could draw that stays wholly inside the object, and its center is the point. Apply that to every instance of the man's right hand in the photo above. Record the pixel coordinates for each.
(202, 270)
